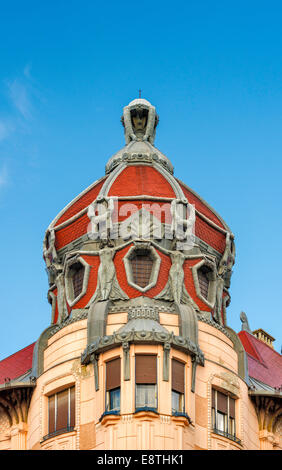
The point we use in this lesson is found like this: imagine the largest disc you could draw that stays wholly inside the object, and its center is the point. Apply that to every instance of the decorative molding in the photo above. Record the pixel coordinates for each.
(204, 319)
(127, 306)
(152, 337)
(143, 311)
(15, 402)
(76, 315)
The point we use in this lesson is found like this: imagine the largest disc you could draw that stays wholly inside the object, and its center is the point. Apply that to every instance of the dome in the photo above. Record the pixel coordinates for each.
(138, 232)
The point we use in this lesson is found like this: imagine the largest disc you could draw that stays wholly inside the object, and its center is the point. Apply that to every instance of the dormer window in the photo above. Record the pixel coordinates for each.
(204, 279)
(204, 275)
(142, 264)
(77, 278)
(77, 274)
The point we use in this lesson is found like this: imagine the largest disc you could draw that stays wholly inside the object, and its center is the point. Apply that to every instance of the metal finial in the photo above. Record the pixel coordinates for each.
(139, 93)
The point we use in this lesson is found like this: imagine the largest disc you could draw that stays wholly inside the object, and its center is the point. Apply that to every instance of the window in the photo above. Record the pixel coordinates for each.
(77, 278)
(142, 265)
(204, 280)
(61, 411)
(204, 275)
(146, 381)
(223, 414)
(177, 385)
(113, 385)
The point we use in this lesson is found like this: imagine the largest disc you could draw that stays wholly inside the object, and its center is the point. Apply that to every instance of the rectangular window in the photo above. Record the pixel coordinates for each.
(113, 385)
(61, 411)
(146, 381)
(223, 414)
(177, 386)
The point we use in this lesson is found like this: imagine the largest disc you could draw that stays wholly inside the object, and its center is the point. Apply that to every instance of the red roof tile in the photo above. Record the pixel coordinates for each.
(265, 364)
(17, 364)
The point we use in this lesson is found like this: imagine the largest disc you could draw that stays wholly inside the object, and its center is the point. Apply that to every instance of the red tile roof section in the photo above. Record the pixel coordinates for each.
(17, 364)
(199, 205)
(265, 364)
(141, 179)
(81, 203)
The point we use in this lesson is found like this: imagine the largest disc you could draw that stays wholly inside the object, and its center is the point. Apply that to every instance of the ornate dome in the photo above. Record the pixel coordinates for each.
(139, 233)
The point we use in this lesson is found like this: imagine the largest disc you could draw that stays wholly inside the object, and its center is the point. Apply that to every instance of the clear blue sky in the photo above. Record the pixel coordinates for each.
(213, 69)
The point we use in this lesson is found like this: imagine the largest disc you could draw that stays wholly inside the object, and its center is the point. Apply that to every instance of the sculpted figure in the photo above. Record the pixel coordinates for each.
(175, 289)
(107, 286)
(101, 224)
(182, 226)
(227, 260)
(140, 121)
(245, 322)
(49, 250)
(219, 299)
(61, 298)
(223, 275)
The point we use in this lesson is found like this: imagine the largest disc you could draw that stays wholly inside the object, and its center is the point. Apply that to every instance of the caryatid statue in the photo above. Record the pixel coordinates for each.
(49, 250)
(107, 286)
(140, 121)
(175, 289)
(224, 268)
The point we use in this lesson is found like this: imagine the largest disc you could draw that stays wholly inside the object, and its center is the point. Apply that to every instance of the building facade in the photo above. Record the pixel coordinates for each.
(139, 354)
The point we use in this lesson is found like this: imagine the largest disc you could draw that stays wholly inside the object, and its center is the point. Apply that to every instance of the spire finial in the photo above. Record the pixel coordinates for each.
(140, 92)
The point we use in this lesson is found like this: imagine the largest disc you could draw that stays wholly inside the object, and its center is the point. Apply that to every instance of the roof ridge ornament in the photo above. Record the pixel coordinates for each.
(140, 121)
(245, 323)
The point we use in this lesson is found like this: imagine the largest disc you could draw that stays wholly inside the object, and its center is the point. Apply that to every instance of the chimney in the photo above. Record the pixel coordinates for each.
(265, 337)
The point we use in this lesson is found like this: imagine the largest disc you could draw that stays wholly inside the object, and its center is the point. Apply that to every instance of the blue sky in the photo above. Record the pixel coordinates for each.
(213, 69)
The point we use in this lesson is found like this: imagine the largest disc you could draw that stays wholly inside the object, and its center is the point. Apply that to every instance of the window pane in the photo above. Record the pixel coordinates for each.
(113, 374)
(204, 281)
(114, 399)
(222, 402)
(62, 410)
(51, 414)
(213, 419)
(72, 407)
(232, 407)
(232, 426)
(177, 402)
(220, 422)
(146, 369)
(78, 279)
(142, 265)
(146, 395)
(177, 376)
